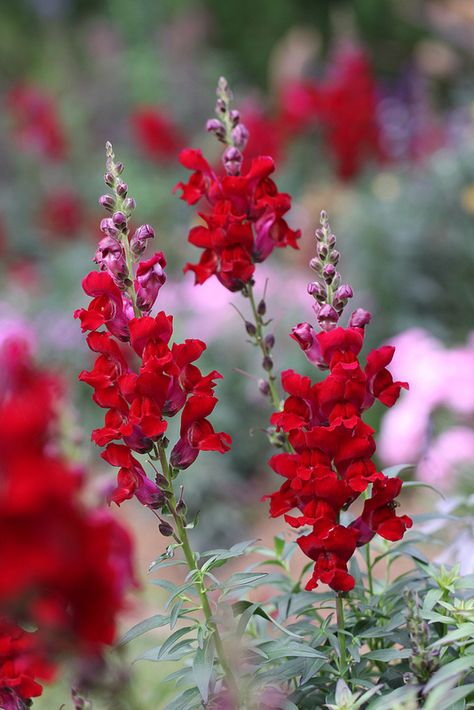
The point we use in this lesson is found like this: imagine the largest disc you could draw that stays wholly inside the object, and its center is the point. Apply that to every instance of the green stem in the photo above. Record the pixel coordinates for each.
(260, 340)
(341, 635)
(198, 577)
(368, 562)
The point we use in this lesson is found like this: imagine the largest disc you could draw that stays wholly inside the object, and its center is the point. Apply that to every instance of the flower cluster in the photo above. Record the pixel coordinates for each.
(155, 133)
(21, 665)
(328, 462)
(65, 568)
(246, 218)
(36, 123)
(164, 381)
(344, 104)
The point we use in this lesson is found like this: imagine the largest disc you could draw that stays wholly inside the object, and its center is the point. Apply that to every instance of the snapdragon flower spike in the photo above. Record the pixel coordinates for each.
(244, 220)
(330, 463)
(139, 376)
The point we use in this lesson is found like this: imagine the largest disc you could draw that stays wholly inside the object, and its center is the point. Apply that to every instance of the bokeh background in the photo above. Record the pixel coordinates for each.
(367, 107)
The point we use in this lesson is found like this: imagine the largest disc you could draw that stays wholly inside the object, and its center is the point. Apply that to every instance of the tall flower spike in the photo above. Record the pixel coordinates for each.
(140, 400)
(329, 463)
(245, 218)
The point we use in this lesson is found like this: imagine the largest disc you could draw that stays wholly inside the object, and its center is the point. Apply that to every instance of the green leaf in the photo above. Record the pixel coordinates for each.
(462, 632)
(466, 582)
(393, 471)
(387, 654)
(175, 612)
(203, 665)
(275, 649)
(166, 649)
(445, 696)
(246, 609)
(379, 631)
(454, 668)
(189, 700)
(432, 597)
(404, 694)
(153, 622)
(179, 590)
(420, 484)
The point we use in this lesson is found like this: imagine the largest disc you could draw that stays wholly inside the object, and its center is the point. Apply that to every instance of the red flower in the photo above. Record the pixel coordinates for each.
(66, 568)
(106, 308)
(61, 214)
(157, 136)
(21, 664)
(197, 433)
(36, 123)
(245, 222)
(331, 464)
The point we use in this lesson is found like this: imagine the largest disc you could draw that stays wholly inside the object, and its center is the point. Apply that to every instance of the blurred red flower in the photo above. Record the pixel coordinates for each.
(155, 133)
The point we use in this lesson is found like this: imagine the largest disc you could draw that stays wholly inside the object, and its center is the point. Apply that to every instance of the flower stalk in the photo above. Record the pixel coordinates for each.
(198, 577)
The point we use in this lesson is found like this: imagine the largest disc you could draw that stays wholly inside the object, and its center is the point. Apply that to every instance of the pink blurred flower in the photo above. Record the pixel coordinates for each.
(451, 449)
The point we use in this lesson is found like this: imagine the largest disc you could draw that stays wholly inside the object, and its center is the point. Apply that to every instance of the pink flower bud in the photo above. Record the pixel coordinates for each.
(150, 278)
(306, 337)
(119, 219)
(232, 160)
(240, 136)
(108, 202)
(110, 257)
(344, 292)
(108, 227)
(360, 318)
(139, 238)
(327, 316)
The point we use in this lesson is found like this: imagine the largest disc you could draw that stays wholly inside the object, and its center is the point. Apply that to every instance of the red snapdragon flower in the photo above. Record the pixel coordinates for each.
(157, 136)
(330, 463)
(21, 665)
(36, 122)
(66, 568)
(139, 376)
(244, 219)
(343, 105)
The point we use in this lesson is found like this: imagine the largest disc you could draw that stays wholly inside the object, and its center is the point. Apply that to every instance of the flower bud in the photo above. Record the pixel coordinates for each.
(328, 273)
(240, 136)
(234, 116)
(122, 189)
(232, 160)
(129, 204)
(332, 241)
(264, 387)
(334, 257)
(119, 219)
(327, 317)
(109, 179)
(343, 293)
(108, 227)
(165, 529)
(110, 257)
(306, 337)
(267, 363)
(315, 264)
(217, 127)
(322, 251)
(324, 218)
(250, 328)
(318, 291)
(360, 318)
(269, 341)
(319, 234)
(108, 202)
(149, 279)
(139, 238)
(119, 168)
(262, 308)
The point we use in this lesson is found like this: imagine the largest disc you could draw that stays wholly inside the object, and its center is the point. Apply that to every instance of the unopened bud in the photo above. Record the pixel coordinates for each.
(234, 117)
(165, 529)
(328, 273)
(327, 317)
(319, 234)
(332, 241)
(267, 363)
(334, 257)
(318, 291)
(262, 308)
(119, 219)
(161, 480)
(217, 127)
(269, 341)
(122, 189)
(109, 179)
(360, 318)
(240, 136)
(264, 387)
(250, 328)
(129, 204)
(322, 251)
(344, 292)
(232, 160)
(315, 265)
(324, 218)
(108, 202)
(181, 508)
(119, 168)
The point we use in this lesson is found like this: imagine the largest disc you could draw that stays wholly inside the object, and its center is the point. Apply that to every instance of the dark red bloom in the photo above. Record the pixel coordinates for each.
(21, 665)
(157, 136)
(106, 308)
(330, 463)
(36, 122)
(65, 568)
(62, 215)
(245, 222)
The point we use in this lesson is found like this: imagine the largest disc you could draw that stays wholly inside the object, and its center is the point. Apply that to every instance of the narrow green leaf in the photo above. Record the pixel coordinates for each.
(454, 668)
(432, 597)
(175, 612)
(279, 544)
(380, 631)
(420, 484)
(444, 697)
(153, 622)
(179, 590)
(167, 646)
(387, 654)
(463, 631)
(203, 666)
(393, 471)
